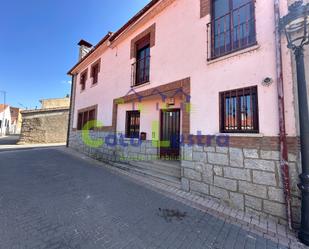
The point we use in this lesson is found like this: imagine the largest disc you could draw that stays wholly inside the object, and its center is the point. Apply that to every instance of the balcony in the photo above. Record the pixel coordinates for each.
(232, 32)
(140, 71)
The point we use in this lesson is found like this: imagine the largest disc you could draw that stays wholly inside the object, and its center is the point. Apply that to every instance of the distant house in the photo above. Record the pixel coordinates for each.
(48, 124)
(5, 119)
(15, 120)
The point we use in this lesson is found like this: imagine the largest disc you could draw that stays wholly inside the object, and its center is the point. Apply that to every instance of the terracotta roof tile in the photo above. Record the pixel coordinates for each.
(2, 107)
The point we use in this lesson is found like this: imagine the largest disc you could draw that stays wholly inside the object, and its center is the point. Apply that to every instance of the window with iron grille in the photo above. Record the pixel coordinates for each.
(232, 27)
(239, 111)
(141, 68)
(84, 117)
(95, 69)
(83, 79)
(132, 124)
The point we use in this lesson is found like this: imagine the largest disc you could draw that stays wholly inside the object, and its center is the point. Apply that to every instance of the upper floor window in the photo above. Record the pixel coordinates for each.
(141, 68)
(239, 111)
(95, 69)
(83, 79)
(132, 124)
(84, 116)
(232, 27)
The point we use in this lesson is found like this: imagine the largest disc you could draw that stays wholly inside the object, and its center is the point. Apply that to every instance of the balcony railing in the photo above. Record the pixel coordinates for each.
(231, 32)
(140, 71)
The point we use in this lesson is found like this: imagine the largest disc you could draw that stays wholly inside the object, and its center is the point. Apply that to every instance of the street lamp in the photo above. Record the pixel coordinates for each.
(296, 27)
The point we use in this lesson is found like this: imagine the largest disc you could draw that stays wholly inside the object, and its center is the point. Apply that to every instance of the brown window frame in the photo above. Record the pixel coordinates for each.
(238, 100)
(226, 21)
(86, 112)
(136, 129)
(83, 80)
(142, 64)
(95, 74)
(138, 43)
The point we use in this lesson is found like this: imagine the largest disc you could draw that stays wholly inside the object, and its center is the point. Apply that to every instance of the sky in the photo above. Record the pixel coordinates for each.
(38, 43)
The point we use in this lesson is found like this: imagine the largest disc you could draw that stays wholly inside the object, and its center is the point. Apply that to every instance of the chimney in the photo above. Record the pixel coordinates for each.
(84, 48)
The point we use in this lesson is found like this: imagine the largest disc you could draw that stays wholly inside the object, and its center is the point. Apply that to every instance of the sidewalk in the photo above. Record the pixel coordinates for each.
(265, 228)
(29, 146)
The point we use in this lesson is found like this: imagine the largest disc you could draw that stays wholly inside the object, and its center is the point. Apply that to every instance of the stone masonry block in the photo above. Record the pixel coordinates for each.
(199, 187)
(236, 157)
(223, 150)
(192, 174)
(187, 164)
(270, 155)
(207, 173)
(219, 159)
(238, 174)
(253, 202)
(259, 164)
(187, 153)
(237, 200)
(198, 166)
(219, 193)
(225, 183)
(264, 178)
(185, 184)
(274, 208)
(292, 157)
(199, 156)
(251, 153)
(276, 194)
(209, 149)
(218, 170)
(198, 148)
(252, 189)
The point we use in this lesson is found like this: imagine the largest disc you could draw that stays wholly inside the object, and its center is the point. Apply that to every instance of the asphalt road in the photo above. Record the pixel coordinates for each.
(52, 199)
(9, 140)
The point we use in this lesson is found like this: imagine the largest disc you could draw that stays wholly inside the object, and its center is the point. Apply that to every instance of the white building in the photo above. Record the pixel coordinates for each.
(5, 119)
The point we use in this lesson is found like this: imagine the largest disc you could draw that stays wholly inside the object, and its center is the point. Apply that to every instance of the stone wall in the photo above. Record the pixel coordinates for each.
(123, 150)
(55, 103)
(44, 126)
(246, 179)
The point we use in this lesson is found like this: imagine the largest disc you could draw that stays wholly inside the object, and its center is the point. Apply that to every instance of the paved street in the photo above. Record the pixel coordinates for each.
(9, 140)
(51, 199)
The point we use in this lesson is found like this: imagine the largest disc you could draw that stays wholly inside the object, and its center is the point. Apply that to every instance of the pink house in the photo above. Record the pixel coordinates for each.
(195, 82)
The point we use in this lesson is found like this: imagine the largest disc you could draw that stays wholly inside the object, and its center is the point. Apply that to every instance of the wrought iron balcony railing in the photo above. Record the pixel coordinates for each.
(140, 71)
(231, 32)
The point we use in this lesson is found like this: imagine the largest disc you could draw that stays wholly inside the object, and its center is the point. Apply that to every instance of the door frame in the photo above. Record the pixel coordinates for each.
(161, 130)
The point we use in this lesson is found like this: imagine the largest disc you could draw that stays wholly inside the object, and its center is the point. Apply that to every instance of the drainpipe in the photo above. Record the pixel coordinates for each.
(70, 111)
(282, 136)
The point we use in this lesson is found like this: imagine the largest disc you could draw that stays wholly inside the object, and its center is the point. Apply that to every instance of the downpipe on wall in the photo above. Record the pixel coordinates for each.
(282, 136)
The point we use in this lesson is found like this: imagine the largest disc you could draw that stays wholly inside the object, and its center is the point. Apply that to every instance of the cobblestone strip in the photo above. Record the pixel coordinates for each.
(252, 223)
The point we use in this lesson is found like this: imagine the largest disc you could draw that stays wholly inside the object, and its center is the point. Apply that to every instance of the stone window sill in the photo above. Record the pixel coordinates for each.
(225, 57)
(140, 86)
(241, 134)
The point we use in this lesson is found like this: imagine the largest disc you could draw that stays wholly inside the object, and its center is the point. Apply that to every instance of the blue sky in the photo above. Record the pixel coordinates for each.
(38, 42)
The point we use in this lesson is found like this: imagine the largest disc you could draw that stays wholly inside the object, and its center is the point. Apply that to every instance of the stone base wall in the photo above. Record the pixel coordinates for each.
(123, 150)
(246, 179)
(243, 178)
(44, 126)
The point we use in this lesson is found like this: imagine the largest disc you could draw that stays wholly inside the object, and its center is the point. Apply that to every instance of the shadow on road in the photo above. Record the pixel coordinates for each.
(9, 140)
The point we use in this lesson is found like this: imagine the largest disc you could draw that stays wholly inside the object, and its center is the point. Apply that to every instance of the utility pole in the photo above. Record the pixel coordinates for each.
(3, 116)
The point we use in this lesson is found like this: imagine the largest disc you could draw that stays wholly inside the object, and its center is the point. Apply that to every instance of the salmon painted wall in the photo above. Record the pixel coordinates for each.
(180, 52)
(149, 112)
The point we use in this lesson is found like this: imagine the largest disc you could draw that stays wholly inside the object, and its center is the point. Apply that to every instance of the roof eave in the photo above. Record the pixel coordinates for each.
(112, 36)
(105, 38)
